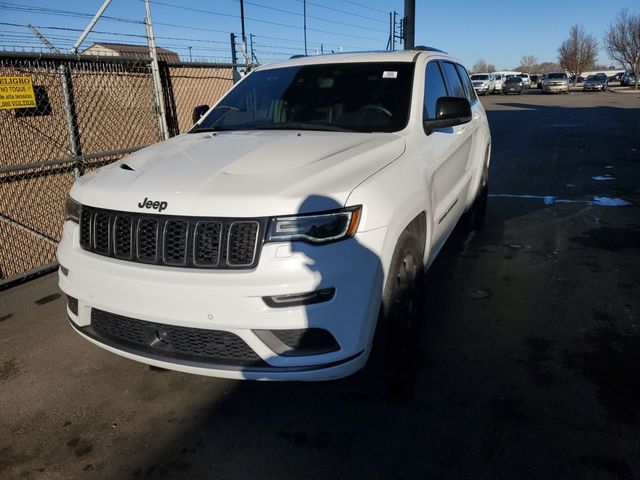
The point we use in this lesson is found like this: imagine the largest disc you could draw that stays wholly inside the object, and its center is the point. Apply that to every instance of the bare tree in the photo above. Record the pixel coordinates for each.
(548, 67)
(491, 68)
(528, 63)
(480, 66)
(578, 52)
(622, 41)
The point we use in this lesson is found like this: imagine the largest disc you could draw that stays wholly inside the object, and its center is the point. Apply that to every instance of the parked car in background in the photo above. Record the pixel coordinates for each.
(596, 83)
(499, 81)
(513, 85)
(535, 80)
(542, 78)
(525, 78)
(628, 79)
(483, 83)
(573, 78)
(555, 83)
(616, 78)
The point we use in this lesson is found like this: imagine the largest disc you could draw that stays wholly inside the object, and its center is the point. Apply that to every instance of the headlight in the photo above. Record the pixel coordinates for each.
(72, 210)
(319, 228)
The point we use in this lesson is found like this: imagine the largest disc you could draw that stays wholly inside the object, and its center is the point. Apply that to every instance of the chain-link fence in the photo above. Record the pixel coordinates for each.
(89, 111)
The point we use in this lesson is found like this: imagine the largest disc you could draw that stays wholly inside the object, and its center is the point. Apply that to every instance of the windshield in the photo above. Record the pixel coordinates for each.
(514, 80)
(358, 97)
(479, 77)
(557, 76)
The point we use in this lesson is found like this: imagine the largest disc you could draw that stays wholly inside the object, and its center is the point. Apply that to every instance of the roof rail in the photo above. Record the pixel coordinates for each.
(300, 55)
(424, 48)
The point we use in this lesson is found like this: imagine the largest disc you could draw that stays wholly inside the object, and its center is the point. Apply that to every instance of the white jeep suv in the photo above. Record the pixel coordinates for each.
(287, 227)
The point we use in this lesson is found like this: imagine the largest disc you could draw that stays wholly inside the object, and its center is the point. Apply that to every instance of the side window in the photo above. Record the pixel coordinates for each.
(433, 90)
(466, 82)
(453, 80)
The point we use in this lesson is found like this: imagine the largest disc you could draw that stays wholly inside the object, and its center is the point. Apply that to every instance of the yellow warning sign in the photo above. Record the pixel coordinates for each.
(16, 92)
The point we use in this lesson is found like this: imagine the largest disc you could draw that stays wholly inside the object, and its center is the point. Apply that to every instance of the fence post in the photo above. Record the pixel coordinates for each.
(71, 117)
(155, 72)
(234, 58)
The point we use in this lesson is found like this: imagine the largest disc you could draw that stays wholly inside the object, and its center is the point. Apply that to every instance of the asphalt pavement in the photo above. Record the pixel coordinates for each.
(528, 361)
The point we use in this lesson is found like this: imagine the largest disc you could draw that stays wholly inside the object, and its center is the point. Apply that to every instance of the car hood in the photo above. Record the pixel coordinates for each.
(242, 173)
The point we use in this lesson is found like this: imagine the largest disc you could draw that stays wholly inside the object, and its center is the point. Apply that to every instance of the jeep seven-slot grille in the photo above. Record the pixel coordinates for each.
(215, 243)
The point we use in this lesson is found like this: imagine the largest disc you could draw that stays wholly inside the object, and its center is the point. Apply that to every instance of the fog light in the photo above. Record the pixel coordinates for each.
(296, 299)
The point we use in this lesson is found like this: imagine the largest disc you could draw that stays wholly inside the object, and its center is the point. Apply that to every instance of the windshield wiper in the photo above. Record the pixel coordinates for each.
(211, 129)
(302, 126)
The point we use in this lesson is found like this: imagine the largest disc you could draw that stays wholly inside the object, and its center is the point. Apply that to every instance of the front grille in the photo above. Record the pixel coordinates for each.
(181, 342)
(215, 243)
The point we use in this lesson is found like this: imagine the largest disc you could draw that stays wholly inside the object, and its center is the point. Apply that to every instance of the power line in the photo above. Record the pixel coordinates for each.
(64, 13)
(344, 12)
(278, 24)
(290, 12)
(364, 6)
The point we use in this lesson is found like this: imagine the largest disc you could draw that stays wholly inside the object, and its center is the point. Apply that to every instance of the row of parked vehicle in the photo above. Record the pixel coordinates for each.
(556, 82)
(504, 83)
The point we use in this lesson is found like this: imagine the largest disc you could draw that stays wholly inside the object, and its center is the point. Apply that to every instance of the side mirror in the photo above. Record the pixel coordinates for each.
(450, 111)
(199, 112)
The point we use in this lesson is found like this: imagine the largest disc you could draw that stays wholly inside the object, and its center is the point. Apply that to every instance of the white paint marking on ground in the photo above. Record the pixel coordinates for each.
(551, 200)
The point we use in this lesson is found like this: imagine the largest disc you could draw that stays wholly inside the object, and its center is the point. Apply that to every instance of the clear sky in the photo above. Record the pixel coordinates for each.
(500, 32)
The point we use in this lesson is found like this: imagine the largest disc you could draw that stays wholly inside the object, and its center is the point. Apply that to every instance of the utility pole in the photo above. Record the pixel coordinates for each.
(155, 72)
(390, 31)
(190, 57)
(254, 59)
(395, 36)
(409, 24)
(305, 26)
(89, 27)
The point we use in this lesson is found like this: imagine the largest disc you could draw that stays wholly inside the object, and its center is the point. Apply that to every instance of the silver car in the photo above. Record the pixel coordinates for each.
(555, 83)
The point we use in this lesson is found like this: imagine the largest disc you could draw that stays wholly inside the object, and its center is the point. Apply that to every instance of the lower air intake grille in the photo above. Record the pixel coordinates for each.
(218, 243)
(196, 343)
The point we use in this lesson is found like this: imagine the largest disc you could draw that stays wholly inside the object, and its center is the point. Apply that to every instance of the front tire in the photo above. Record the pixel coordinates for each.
(396, 337)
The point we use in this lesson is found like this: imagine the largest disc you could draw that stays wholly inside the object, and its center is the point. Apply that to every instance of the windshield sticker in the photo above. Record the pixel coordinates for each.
(389, 74)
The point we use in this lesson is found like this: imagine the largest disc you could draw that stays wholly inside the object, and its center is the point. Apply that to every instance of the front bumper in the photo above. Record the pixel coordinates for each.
(232, 301)
(555, 88)
(592, 88)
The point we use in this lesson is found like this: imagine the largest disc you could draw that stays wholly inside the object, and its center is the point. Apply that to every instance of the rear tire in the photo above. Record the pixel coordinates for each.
(475, 217)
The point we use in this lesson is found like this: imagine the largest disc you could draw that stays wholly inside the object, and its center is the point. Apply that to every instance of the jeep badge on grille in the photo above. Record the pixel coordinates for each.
(149, 204)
